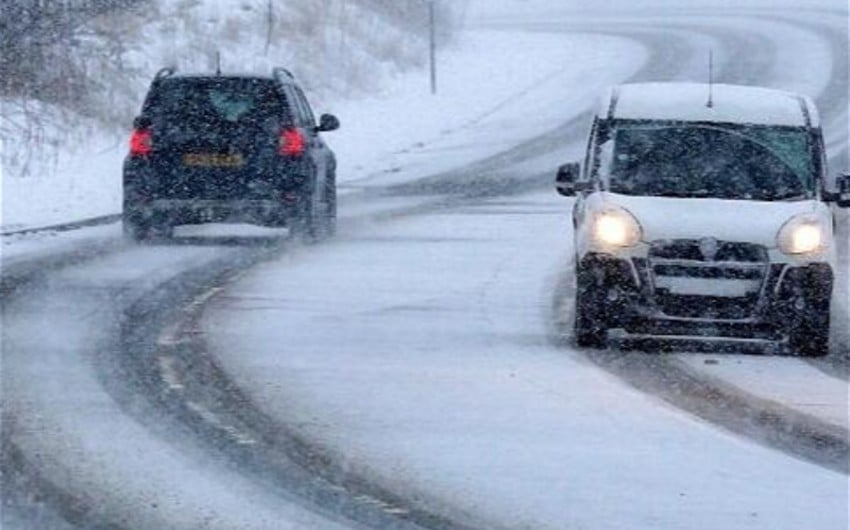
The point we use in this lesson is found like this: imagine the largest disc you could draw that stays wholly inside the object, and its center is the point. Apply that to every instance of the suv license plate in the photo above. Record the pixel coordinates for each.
(212, 160)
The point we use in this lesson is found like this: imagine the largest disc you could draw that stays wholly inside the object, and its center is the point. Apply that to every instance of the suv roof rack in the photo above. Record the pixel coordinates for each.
(168, 71)
(282, 74)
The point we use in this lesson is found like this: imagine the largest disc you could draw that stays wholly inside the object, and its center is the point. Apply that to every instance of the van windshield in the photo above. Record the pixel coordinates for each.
(710, 161)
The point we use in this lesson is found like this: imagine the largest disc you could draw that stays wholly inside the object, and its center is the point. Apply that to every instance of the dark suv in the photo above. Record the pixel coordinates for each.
(210, 148)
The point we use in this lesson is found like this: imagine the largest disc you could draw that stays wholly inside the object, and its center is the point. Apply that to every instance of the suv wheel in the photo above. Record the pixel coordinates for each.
(303, 226)
(317, 221)
(145, 230)
(327, 220)
(591, 330)
(136, 230)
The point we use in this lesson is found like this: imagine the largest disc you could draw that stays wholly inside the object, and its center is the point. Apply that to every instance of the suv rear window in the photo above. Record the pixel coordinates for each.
(217, 101)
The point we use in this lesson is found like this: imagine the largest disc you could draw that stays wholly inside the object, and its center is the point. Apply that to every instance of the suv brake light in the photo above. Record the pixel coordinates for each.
(141, 142)
(291, 143)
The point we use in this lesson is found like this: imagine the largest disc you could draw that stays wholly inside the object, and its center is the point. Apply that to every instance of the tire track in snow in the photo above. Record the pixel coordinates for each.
(727, 406)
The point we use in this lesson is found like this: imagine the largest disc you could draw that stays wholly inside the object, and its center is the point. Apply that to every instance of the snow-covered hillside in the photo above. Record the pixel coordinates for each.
(340, 50)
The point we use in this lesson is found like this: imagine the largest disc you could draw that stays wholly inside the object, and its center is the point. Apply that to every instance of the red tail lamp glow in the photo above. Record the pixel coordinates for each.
(291, 143)
(141, 143)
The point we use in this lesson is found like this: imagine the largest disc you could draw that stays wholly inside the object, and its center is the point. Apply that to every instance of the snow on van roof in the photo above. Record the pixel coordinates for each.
(688, 102)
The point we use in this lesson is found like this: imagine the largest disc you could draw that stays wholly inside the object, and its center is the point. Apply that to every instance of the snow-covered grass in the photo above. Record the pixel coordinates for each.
(58, 165)
(62, 183)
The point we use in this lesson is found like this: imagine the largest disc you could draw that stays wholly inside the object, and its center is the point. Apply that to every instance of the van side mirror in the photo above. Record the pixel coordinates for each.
(567, 179)
(844, 191)
(328, 122)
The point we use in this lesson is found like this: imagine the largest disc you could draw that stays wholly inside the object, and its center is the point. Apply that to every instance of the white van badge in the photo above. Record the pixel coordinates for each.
(708, 246)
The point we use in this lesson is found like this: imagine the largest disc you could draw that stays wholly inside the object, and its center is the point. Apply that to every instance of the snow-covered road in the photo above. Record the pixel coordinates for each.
(410, 373)
(441, 382)
(418, 353)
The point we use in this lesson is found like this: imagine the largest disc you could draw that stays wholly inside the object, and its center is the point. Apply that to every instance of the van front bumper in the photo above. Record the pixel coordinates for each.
(761, 301)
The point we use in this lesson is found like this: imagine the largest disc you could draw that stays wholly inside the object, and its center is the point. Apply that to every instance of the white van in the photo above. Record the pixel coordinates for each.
(701, 211)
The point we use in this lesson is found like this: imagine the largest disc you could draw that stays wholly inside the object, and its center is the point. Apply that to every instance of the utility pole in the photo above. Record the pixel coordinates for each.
(432, 22)
(269, 26)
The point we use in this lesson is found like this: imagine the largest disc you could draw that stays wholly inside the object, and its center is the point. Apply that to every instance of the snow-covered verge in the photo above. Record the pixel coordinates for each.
(61, 162)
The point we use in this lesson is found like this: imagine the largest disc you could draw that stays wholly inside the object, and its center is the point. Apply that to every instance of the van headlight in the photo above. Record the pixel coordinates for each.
(803, 234)
(616, 227)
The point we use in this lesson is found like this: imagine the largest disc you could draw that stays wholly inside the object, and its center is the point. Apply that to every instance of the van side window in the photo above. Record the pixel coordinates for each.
(598, 136)
(588, 155)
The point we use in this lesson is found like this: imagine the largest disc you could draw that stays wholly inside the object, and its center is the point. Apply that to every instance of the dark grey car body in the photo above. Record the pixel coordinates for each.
(214, 148)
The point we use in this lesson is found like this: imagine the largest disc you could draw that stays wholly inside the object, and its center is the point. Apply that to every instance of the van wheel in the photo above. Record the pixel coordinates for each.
(591, 329)
(811, 337)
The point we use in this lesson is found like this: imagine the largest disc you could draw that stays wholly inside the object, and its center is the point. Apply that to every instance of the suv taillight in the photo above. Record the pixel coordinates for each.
(141, 142)
(292, 143)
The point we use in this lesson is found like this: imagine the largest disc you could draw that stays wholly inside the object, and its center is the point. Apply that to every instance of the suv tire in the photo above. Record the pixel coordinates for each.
(326, 221)
(316, 221)
(136, 230)
(303, 226)
(141, 230)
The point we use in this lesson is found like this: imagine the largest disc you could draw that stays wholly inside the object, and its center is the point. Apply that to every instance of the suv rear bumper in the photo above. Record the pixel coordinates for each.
(786, 296)
(184, 211)
(271, 196)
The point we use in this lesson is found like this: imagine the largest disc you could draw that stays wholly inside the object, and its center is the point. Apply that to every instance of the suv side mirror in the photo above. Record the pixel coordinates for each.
(328, 122)
(567, 178)
(141, 122)
(844, 191)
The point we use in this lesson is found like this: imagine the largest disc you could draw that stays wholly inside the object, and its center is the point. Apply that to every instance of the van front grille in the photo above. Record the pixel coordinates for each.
(707, 279)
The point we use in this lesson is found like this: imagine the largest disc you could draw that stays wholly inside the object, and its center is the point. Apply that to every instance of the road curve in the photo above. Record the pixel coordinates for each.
(477, 182)
(196, 401)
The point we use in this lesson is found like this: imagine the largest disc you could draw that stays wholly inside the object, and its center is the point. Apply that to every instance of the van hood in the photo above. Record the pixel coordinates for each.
(726, 220)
